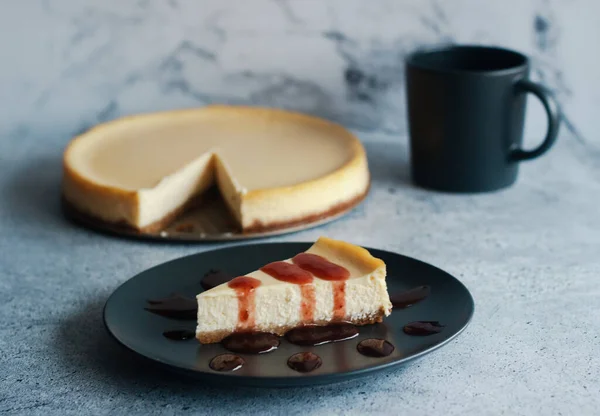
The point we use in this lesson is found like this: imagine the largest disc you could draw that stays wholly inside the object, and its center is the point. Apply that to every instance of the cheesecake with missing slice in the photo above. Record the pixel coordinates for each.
(273, 168)
(333, 281)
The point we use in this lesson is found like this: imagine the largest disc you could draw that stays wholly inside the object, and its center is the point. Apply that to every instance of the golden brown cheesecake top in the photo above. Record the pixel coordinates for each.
(138, 152)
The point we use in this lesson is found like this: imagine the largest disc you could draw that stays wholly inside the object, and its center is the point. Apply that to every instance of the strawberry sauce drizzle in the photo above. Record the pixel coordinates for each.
(244, 288)
(290, 273)
(326, 270)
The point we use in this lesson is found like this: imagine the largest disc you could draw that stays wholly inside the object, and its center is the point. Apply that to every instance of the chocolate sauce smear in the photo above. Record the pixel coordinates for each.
(410, 297)
(174, 306)
(227, 362)
(374, 347)
(317, 335)
(251, 342)
(214, 278)
(423, 328)
(304, 362)
(179, 334)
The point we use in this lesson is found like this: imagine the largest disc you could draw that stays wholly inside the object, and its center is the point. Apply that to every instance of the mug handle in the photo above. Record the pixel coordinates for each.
(553, 112)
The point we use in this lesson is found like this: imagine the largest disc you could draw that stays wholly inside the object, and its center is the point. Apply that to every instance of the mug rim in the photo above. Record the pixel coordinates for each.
(412, 60)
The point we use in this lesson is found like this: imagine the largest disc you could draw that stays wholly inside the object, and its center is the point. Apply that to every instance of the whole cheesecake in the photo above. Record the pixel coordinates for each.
(333, 281)
(274, 168)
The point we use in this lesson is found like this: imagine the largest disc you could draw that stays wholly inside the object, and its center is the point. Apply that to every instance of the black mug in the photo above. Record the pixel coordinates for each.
(466, 111)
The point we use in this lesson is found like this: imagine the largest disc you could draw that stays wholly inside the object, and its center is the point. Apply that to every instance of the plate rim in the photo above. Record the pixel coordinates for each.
(302, 379)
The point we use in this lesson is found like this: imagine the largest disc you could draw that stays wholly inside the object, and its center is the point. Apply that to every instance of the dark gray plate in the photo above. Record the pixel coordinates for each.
(140, 331)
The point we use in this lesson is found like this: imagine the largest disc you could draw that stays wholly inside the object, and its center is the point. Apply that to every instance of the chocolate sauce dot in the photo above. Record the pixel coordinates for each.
(214, 278)
(179, 334)
(174, 306)
(251, 342)
(422, 328)
(227, 362)
(410, 297)
(317, 335)
(374, 347)
(304, 362)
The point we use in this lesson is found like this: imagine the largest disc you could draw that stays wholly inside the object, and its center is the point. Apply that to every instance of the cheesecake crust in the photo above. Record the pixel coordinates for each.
(218, 336)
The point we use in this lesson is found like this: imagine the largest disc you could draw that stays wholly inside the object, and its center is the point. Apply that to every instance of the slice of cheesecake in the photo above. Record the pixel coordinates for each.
(333, 281)
(273, 168)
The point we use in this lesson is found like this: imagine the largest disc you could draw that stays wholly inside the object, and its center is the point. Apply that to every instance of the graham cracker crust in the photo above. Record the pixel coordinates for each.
(217, 336)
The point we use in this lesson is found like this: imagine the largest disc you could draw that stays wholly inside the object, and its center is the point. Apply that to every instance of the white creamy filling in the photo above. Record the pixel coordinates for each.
(175, 190)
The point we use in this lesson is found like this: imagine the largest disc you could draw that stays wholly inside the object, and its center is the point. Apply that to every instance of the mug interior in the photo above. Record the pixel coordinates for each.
(474, 59)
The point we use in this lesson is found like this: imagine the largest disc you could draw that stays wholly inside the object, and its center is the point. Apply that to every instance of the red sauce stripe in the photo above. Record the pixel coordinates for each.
(321, 267)
(287, 272)
(244, 288)
(291, 273)
(308, 303)
(339, 300)
(326, 270)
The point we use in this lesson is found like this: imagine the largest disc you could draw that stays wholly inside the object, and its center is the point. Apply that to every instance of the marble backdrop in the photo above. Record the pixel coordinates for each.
(68, 64)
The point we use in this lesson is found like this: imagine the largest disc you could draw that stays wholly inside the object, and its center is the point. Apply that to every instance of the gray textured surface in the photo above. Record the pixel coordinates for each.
(530, 255)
